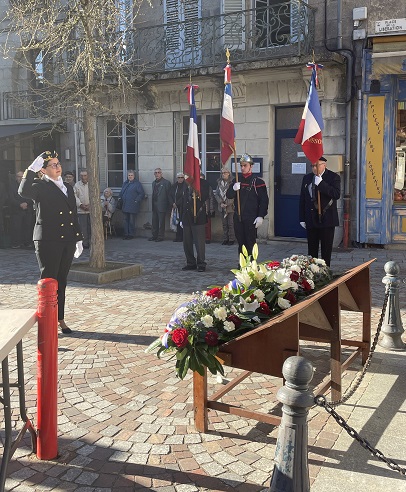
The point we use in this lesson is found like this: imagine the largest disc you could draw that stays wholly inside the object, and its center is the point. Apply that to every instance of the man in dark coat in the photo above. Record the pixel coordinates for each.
(253, 204)
(57, 236)
(318, 209)
(194, 227)
(161, 203)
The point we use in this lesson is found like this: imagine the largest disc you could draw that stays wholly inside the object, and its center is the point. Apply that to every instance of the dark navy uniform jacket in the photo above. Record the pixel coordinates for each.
(330, 190)
(186, 211)
(253, 197)
(56, 213)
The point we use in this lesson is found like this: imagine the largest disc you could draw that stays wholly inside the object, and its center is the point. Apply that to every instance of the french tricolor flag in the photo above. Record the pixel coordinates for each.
(192, 161)
(309, 134)
(227, 130)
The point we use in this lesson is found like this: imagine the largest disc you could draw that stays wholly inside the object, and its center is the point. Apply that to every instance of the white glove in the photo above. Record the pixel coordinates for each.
(236, 186)
(317, 180)
(303, 224)
(181, 224)
(36, 164)
(258, 222)
(79, 249)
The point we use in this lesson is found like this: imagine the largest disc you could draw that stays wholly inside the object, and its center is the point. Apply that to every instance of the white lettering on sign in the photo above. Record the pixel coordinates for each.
(390, 25)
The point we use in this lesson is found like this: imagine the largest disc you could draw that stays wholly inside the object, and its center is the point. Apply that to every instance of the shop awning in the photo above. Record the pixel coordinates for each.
(10, 130)
(389, 56)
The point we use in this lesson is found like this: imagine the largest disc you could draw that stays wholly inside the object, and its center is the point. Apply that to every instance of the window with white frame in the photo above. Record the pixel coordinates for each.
(121, 151)
(208, 126)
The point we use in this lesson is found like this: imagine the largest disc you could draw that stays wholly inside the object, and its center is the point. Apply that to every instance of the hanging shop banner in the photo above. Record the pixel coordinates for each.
(374, 147)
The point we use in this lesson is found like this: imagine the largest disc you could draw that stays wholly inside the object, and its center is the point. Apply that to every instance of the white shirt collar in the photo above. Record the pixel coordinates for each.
(59, 183)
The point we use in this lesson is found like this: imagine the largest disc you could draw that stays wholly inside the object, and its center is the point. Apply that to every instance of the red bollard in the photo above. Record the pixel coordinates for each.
(47, 367)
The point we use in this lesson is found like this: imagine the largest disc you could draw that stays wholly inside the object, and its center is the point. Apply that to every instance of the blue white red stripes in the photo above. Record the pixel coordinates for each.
(227, 130)
(192, 160)
(309, 134)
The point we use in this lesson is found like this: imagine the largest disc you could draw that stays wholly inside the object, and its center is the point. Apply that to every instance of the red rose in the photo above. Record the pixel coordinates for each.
(273, 264)
(306, 286)
(290, 296)
(264, 308)
(294, 276)
(211, 338)
(215, 292)
(179, 337)
(235, 319)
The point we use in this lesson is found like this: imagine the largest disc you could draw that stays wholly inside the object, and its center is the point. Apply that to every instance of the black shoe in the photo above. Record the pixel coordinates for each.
(152, 239)
(66, 331)
(201, 269)
(125, 238)
(224, 243)
(158, 240)
(208, 242)
(230, 243)
(189, 267)
(17, 246)
(130, 237)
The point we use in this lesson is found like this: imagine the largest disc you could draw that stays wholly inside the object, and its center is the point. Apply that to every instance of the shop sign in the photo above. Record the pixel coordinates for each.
(390, 26)
(374, 147)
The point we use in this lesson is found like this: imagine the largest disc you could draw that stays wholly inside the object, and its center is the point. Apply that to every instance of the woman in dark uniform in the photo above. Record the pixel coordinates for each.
(57, 235)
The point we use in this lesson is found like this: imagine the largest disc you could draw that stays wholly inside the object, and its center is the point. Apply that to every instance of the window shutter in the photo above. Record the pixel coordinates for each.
(234, 24)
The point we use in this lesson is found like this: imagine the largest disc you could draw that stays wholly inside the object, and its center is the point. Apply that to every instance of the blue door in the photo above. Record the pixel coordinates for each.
(290, 167)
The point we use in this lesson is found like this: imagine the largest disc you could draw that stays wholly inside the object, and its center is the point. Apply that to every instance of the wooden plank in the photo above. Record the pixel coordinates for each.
(247, 414)
(314, 315)
(349, 360)
(15, 323)
(347, 302)
(262, 351)
(200, 401)
(229, 386)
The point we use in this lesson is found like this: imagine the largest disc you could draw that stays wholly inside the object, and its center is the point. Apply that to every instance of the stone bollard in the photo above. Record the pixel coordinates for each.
(392, 328)
(291, 471)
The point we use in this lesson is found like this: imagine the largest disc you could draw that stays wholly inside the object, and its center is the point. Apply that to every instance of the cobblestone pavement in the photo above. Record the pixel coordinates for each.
(126, 423)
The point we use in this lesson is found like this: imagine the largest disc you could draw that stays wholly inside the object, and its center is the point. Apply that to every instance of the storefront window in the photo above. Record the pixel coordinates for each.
(400, 170)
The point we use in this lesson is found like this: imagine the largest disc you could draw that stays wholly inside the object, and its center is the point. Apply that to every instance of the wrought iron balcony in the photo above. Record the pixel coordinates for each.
(23, 105)
(278, 31)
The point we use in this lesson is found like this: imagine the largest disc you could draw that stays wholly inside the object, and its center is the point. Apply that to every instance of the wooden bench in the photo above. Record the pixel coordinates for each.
(265, 348)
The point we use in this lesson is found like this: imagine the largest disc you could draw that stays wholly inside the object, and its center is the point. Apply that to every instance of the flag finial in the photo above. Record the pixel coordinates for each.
(228, 55)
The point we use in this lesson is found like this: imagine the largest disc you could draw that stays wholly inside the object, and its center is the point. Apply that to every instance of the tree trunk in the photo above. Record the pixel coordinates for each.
(97, 259)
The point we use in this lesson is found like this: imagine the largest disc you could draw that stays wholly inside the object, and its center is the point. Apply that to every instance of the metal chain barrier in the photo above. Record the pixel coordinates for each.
(356, 383)
(321, 401)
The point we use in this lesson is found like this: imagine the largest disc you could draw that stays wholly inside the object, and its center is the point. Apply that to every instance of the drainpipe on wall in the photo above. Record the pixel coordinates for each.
(349, 55)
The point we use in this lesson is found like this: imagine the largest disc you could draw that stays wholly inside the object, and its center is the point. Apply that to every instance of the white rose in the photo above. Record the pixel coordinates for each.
(259, 295)
(220, 313)
(314, 268)
(283, 303)
(295, 268)
(207, 321)
(229, 326)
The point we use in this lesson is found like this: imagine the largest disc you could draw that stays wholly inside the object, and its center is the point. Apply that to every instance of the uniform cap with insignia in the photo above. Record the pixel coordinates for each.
(48, 155)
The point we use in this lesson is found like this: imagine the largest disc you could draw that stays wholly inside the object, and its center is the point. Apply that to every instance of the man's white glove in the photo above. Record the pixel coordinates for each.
(317, 180)
(79, 249)
(303, 224)
(36, 164)
(181, 224)
(258, 222)
(236, 186)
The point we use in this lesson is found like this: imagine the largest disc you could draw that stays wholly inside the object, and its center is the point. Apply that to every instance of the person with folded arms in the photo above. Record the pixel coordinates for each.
(57, 236)
(253, 204)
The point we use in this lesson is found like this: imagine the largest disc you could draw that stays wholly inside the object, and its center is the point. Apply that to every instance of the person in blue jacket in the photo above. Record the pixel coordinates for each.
(131, 194)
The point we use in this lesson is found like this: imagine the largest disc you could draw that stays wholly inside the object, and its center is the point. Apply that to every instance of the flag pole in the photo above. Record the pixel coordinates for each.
(235, 156)
(194, 192)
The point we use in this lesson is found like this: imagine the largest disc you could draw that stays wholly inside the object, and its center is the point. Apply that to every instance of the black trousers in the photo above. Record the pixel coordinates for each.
(323, 236)
(54, 260)
(158, 224)
(245, 233)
